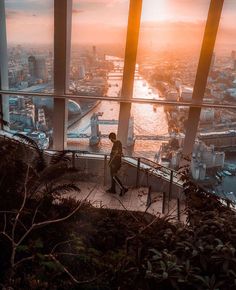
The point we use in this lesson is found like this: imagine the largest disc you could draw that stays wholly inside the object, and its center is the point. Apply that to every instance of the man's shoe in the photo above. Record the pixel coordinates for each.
(110, 190)
(123, 191)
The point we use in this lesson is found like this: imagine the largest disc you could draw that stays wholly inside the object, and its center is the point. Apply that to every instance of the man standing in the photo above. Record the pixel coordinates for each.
(115, 164)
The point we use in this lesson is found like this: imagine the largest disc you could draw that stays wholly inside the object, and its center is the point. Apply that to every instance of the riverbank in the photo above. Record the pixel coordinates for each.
(77, 118)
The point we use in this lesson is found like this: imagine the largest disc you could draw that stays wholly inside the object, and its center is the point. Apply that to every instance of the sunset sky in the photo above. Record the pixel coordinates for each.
(164, 22)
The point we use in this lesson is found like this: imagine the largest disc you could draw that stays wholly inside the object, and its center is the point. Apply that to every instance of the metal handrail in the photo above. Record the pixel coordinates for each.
(141, 160)
(118, 99)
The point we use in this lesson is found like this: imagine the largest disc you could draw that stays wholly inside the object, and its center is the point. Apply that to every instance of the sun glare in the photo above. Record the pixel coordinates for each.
(154, 10)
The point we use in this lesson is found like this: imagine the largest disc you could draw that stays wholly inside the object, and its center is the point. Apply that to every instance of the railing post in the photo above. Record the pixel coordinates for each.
(138, 173)
(163, 202)
(149, 199)
(178, 209)
(105, 170)
(73, 160)
(170, 186)
(228, 203)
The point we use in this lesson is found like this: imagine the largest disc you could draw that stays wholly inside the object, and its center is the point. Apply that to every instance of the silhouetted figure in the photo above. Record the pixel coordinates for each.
(115, 164)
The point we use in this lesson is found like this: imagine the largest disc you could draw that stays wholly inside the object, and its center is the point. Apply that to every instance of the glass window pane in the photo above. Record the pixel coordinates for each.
(155, 132)
(221, 86)
(93, 119)
(98, 47)
(29, 28)
(30, 45)
(169, 46)
(32, 116)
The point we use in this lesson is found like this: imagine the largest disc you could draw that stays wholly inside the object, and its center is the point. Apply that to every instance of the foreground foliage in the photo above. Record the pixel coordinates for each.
(102, 248)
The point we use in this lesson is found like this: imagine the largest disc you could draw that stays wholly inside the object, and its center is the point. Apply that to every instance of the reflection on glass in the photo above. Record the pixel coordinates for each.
(169, 46)
(98, 42)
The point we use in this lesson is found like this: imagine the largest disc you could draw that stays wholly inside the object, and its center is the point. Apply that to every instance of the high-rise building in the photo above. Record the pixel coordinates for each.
(233, 54)
(94, 51)
(37, 67)
(32, 66)
(234, 64)
(213, 59)
(81, 71)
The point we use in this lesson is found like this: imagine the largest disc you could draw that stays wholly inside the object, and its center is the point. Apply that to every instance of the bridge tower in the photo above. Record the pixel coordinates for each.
(95, 133)
(131, 138)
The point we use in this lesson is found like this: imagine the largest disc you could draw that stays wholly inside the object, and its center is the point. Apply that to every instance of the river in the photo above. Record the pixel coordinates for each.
(147, 120)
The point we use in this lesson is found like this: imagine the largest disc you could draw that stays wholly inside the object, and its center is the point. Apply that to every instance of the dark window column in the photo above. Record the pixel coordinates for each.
(135, 10)
(3, 64)
(204, 64)
(62, 46)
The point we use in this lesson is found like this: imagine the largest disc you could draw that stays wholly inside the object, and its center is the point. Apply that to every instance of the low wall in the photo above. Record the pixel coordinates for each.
(97, 170)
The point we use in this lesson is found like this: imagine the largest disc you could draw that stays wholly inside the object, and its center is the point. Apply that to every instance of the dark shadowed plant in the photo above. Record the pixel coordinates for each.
(31, 189)
(104, 248)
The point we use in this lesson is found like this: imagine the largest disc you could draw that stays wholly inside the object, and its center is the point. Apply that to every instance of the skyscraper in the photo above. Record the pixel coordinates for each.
(233, 54)
(94, 53)
(32, 66)
(213, 59)
(37, 68)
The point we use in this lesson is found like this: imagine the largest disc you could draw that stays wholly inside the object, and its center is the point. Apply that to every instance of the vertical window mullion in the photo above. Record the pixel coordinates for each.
(135, 10)
(3, 64)
(62, 44)
(204, 64)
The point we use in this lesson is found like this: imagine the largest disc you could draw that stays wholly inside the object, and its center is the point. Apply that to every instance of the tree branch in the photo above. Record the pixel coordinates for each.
(72, 277)
(7, 236)
(22, 205)
(23, 260)
(48, 222)
(62, 243)
(64, 269)
(5, 222)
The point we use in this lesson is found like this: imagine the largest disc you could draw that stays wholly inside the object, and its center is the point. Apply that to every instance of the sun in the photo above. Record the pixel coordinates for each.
(155, 10)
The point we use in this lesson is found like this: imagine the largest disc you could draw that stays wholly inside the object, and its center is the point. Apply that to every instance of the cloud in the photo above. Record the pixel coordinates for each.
(99, 4)
(42, 7)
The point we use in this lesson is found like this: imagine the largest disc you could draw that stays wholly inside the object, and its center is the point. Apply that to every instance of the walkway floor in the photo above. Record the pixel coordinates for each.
(134, 200)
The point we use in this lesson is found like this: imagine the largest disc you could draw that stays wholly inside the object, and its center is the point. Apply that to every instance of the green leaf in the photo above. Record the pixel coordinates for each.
(38, 244)
(165, 275)
(232, 273)
(219, 242)
(40, 256)
(187, 265)
(194, 253)
(163, 265)
(22, 248)
(149, 266)
(50, 265)
(157, 253)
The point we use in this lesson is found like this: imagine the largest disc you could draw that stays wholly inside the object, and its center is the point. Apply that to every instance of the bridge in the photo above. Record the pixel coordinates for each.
(221, 139)
(95, 136)
(120, 77)
(136, 137)
(117, 74)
